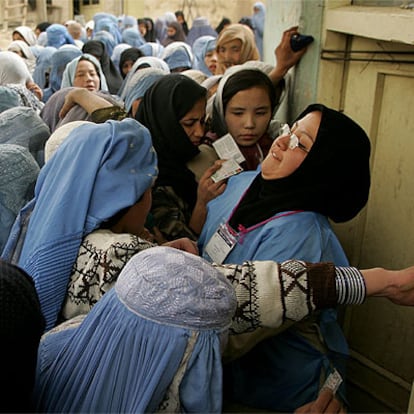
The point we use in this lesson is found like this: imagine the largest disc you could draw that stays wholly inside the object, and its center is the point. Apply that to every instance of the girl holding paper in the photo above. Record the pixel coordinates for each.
(243, 107)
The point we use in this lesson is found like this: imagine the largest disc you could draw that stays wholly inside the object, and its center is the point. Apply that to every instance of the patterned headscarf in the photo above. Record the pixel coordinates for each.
(18, 176)
(153, 341)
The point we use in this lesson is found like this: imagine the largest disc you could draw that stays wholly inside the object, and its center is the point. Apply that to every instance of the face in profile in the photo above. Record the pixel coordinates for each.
(86, 76)
(18, 36)
(194, 120)
(291, 147)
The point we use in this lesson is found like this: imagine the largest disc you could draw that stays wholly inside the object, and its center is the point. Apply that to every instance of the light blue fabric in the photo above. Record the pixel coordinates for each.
(127, 351)
(138, 84)
(109, 23)
(116, 53)
(58, 35)
(18, 176)
(306, 236)
(127, 22)
(133, 37)
(59, 60)
(178, 55)
(108, 39)
(96, 172)
(70, 71)
(152, 49)
(201, 46)
(147, 61)
(42, 39)
(43, 66)
(22, 126)
(200, 27)
(258, 22)
(8, 98)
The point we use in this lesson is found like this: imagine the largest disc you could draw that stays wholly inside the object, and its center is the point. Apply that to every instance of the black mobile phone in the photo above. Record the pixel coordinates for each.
(299, 41)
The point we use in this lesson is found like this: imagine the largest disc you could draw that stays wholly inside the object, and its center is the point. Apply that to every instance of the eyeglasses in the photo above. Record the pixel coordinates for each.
(294, 140)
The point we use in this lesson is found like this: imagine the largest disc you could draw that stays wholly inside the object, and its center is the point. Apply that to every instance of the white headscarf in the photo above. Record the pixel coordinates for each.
(13, 69)
(29, 58)
(27, 33)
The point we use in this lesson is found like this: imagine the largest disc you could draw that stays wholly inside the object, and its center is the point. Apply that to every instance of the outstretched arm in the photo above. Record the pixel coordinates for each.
(292, 290)
(285, 56)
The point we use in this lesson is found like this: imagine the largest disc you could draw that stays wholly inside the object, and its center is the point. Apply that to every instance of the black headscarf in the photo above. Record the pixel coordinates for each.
(132, 53)
(160, 110)
(333, 179)
(21, 326)
(112, 75)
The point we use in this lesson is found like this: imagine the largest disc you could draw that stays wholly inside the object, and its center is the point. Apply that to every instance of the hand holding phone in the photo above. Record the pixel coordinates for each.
(299, 41)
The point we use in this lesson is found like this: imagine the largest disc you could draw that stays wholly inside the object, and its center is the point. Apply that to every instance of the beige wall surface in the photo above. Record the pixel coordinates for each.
(214, 10)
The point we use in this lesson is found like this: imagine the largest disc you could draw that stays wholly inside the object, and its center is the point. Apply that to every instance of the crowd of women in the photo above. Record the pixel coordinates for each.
(142, 268)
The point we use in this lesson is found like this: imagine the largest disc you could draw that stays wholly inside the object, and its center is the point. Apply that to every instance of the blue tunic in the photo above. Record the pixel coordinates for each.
(283, 372)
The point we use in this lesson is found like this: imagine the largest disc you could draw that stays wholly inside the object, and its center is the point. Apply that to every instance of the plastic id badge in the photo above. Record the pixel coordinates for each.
(221, 244)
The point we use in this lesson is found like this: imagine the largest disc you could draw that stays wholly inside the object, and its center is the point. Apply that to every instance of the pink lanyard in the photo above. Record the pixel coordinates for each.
(243, 230)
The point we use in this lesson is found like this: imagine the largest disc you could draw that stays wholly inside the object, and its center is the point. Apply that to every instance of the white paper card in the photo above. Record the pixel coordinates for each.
(227, 148)
(227, 169)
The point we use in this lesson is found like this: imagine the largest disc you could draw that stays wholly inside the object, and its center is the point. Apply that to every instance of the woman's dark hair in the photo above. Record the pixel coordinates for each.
(240, 81)
(247, 21)
(224, 22)
(179, 13)
(150, 35)
(90, 61)
(43, 26)
(246, 79)
(132, 53)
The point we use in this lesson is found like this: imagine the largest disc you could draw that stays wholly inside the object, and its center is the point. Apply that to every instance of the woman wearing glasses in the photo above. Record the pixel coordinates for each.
(315, 170)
